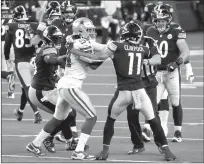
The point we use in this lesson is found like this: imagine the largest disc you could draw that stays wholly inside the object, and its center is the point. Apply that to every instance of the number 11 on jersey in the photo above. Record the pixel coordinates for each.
(132, 56)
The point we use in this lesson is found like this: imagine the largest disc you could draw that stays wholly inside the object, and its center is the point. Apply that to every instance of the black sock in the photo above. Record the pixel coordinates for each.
(51, 125)
(108, 130)
(23, 99)
(178, 115)
(134, 126)
(34, 108)
(65, 126)
(159, 136)
(73, 113)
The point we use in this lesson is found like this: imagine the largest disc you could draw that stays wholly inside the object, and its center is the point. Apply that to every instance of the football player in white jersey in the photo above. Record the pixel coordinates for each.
(71, 96)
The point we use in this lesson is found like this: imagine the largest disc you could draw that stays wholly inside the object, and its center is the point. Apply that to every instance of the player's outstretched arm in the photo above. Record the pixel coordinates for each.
(101, 55)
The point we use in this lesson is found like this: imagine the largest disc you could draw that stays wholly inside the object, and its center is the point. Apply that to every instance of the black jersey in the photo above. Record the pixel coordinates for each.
(167, 43)
(127, 61)
(44, 77)
(18, 36)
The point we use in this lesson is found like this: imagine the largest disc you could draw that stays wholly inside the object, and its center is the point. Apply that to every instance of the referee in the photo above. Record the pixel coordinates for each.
(149, 79)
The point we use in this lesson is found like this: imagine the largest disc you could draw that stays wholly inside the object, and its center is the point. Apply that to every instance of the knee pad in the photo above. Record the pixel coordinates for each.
(175, 100)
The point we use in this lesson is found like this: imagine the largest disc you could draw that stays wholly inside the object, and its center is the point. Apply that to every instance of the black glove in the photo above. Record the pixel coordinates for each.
(172, 66)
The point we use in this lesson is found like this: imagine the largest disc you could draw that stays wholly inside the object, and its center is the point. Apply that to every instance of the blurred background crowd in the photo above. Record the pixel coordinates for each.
(108, 16)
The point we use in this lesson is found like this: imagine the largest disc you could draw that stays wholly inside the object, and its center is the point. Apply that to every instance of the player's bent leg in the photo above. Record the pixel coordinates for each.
(23, 70)
(19, 111)
(148, 112)
(173, 86)
(118, 104)
(79, 101)
(135, 130)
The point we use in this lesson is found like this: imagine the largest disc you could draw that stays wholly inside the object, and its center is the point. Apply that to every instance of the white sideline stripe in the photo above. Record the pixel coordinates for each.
(63, 158)
(97, 106)
(105, 66)
(116, 137)
(103, 121)
(103, 94)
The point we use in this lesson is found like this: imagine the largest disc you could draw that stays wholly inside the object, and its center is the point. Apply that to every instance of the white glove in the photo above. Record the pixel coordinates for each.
(189, 73)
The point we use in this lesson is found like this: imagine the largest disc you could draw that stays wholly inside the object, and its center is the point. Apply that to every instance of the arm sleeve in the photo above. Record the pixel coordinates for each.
(7, 45)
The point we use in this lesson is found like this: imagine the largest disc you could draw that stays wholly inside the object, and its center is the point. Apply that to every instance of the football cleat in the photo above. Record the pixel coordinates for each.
(35, 150)
(18, 114)
(49, 144)
(60, 137)
(81, 156)
(103, 155)
(38, 118)
(73, 144)
(168, 155)
(146, 135)
(136, 150)
(177, 136)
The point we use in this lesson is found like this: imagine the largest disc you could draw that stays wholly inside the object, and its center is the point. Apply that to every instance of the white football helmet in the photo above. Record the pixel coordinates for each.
(84, 27)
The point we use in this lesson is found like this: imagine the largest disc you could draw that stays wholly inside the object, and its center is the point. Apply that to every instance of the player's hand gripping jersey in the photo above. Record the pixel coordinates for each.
(19, 36)
(167, 43)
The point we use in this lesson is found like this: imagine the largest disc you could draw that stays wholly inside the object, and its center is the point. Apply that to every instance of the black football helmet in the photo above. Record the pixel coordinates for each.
(69, 11)
(161, 18)
(131, 32)
(52, 36)
(19, 14)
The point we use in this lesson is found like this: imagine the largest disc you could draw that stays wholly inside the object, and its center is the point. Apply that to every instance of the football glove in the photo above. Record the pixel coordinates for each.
(172, 66)
(189, 73)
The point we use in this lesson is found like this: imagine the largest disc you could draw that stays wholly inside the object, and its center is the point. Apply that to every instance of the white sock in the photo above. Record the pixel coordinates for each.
(73, 128)
(164, 115)
(82, 142)
(177, 128)
(40, 138)
(36, 112)
(147, 126)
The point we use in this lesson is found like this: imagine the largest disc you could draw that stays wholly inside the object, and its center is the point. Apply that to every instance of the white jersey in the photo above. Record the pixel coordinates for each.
(74, 75)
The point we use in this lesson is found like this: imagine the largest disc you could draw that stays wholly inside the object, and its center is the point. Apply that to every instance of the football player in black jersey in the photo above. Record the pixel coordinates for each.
(18, 36)
(174, 51)
(127, 56)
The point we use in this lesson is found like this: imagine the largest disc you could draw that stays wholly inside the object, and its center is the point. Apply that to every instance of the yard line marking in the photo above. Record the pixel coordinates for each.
(107, 94)
(67, 158)
(97, 106)
(116, 137)
(103, 121)
(183, 85)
